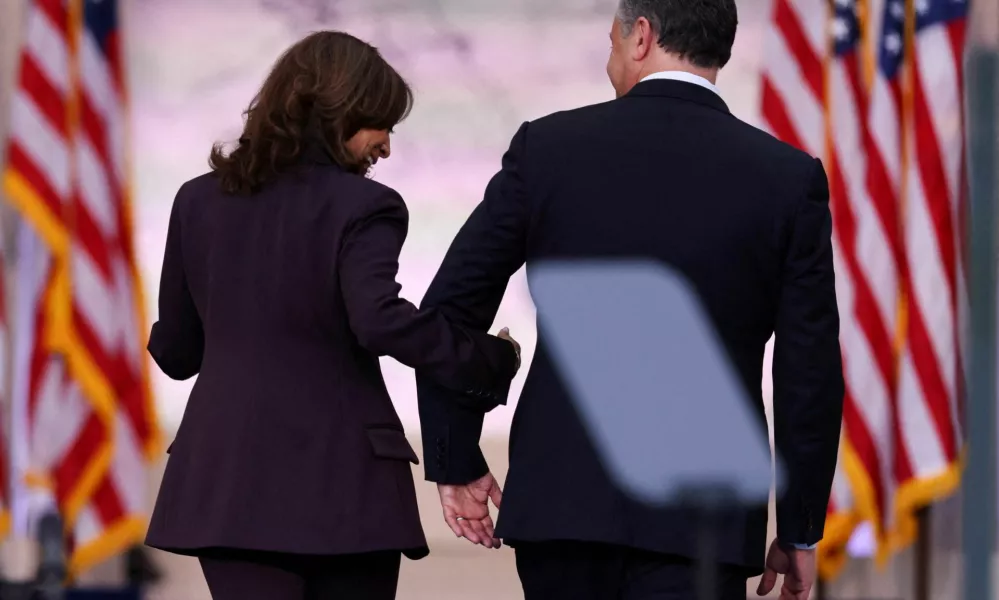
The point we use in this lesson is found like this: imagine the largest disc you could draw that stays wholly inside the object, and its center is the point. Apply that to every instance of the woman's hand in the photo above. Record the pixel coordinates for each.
(504, 334)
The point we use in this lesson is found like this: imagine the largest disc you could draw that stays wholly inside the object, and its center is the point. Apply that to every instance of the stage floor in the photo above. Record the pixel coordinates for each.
(452, 572)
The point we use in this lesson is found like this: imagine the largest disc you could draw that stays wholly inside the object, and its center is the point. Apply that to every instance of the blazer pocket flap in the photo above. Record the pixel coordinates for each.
(391, 443)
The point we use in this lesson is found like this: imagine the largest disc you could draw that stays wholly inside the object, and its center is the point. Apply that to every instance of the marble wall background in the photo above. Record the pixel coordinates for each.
(479, 70)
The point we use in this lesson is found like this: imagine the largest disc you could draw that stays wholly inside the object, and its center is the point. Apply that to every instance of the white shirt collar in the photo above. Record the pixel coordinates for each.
(684, 76)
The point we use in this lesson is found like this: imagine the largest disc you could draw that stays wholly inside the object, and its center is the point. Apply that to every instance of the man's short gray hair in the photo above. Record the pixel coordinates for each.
(628, 12)
(700, 31)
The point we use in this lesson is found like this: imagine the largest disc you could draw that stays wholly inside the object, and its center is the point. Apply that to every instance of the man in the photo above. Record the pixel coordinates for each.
(662, 172)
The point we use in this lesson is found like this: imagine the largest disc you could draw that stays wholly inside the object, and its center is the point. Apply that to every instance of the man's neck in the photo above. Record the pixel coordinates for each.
(670, 62)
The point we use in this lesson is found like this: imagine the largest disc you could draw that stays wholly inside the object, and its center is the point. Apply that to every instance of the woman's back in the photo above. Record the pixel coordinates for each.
(262, 269)
(282, 302)
(288, 408)
(278, 290)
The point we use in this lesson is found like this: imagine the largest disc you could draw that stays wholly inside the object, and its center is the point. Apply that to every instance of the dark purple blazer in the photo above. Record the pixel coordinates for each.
(282, 303)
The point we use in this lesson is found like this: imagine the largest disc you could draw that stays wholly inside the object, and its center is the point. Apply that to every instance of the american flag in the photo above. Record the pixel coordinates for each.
(866, 232)
(793, 108)
(899, 448)
(933, 178)
(87, 413)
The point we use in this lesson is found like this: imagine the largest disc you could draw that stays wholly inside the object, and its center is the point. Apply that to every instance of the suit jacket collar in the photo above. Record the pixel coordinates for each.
(313, 153)
(680, 90)
(313, 145)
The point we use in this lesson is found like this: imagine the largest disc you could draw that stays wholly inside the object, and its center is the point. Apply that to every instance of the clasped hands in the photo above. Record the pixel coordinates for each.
(466, 507)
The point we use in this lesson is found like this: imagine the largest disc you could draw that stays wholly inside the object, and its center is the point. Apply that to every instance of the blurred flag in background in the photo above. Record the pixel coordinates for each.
(876, 90)
(4, 390)
(83, 425)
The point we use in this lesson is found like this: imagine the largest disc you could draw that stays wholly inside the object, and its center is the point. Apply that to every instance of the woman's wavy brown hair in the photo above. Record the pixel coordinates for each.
(321, 92)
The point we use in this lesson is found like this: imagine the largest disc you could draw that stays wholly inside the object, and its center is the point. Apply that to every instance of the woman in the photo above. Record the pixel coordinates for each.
(290, 475)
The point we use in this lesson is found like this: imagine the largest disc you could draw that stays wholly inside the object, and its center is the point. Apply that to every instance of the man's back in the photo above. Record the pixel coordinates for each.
(663, 173)
(668, 173)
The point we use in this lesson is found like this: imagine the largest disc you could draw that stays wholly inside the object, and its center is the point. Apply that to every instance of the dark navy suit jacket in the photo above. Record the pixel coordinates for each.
(664, 173)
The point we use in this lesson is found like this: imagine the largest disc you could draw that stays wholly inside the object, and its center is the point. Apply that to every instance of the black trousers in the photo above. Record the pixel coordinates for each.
(591, 571)
(242, 575)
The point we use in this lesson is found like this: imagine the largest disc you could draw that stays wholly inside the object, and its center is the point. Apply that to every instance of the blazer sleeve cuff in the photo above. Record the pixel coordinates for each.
(501, 355)
(178, 360)
(800, 522)
(804, 546)
(451, 453)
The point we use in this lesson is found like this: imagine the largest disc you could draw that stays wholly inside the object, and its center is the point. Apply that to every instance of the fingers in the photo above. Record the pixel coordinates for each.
(787, 594)
(452, 521)
(795, 589)
(479, 531)
(466, 510)
(496, 494)
(472, 531)
(504, 334)
(491, 531)
(767, 582)
(483, 533)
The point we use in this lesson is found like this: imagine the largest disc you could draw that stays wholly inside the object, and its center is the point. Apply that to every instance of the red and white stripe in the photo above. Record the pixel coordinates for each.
(897, 173)
(865, 224)
(931, 371)
(38, 179)
(38, 149)
(4, 388)
(793, 74)
(103, 273)
(874, 423)
(793, 110)
(86, 409)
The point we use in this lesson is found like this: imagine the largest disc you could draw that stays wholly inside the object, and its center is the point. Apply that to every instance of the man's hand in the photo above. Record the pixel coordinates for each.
(797, 567)
(504, 334)
(466, 509)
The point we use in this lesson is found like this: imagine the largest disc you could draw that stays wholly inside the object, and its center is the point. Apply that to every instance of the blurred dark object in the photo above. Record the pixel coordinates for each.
(979, 483)
(17, 591)
(102, 594)
(708, 502)
(924, 555)
(52, 558)
(140, 569)
(821, 589)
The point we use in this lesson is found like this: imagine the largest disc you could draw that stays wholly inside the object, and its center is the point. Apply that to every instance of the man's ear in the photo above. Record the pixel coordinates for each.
(644, 39)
